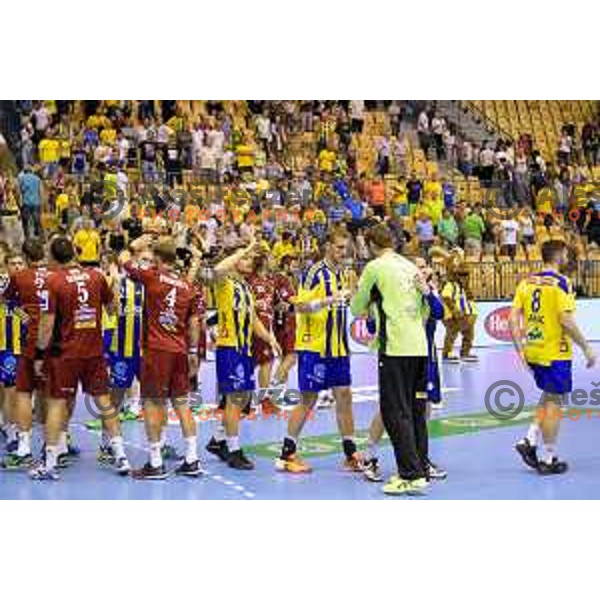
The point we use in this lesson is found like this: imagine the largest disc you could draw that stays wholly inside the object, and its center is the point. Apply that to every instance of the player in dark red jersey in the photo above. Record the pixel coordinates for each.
(263, 289)
(27, 288)
(71, 336)
(284, 326)
(170, 352)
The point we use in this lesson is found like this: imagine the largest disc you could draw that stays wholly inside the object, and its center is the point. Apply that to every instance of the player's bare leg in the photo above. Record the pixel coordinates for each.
(234, 404)
(191, 465)
(372, 470)
(21, 457)
(289, 459)
(10, 419)
(56, 415)
(109, 414)
(154, 418)
(345, 421)
(550, 426)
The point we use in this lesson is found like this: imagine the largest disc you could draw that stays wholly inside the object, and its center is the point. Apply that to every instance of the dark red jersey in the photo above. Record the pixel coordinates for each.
(284, 292)
(169, 304)
(76, 297)
(263, 290)
(29, 289)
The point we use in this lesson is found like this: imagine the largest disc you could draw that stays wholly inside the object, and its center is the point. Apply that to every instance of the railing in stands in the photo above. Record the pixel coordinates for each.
(486, 120)
(499, 280)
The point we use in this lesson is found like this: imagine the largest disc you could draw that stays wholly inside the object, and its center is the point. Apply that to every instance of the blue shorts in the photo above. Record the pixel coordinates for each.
(235, 371)
(556, 378)
(107, 337)
(8, 368)
(317, 373)
(123, 371)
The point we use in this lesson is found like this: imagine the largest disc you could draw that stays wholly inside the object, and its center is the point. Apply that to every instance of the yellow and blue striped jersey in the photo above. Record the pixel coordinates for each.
(324, 331)
(128, 324)
(13, 329)
(542, 297)
(235, 310)
(457, 296)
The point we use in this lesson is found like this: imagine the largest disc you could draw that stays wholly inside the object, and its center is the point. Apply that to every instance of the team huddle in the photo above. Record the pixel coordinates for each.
(141, 318)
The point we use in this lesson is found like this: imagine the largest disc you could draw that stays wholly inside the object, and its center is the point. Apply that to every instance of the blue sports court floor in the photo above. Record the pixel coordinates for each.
(476, 449)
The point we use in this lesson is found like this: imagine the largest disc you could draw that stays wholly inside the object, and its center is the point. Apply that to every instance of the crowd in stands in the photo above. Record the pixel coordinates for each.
(206, 172)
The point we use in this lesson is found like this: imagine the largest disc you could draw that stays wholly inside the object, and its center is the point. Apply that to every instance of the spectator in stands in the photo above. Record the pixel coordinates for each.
(414, 187)
(509, 237)
(423, 132)
(448, 229)
(473, 227)
(425, 233)
(30, 186)
(357, 115)
(438, 129)
(375, 194)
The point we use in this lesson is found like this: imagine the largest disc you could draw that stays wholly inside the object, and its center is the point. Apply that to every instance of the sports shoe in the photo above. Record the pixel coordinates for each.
(268, 408)
(353, 463)
(94, 425)
(469, 358)
(528, 453)
(325, 399)
(169, 452)
(72, 448)
(396, 486)
(105, 455)
(435, 472)
(63, 461)
(150, 472)
(40, 473)
(128, 415)
(12, 447)
(238, 460)
(219, 449)
(192, 469)
(556, 467)
(451, 358)
(292, 464)
(122, 466)
(14, 462)
(372, 471)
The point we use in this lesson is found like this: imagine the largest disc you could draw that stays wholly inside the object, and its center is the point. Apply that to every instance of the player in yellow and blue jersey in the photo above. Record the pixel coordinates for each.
(237, 324)
(13, 331)
(544, 329)
(323, 353)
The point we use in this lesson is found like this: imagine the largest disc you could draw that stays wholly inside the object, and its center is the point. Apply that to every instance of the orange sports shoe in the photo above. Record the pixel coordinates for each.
(292, 464)
(355, 463)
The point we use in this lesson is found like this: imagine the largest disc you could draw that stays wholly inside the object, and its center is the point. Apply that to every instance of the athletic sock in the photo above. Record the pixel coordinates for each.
(533, 434)
(371, 451)
(289, 447)
(219, 431)
(63, 448)
(349, 447)
(12, 433)
(191, 449)
(549, 453)
(155, 455)
(51, 457)
(233, 443)
(24, 448)
(117, 446)
(163, 438)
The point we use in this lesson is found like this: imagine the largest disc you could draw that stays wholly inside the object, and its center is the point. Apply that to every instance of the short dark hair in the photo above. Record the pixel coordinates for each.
(62, 250)
(380, 236)
(551, 249)
(33, 250)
